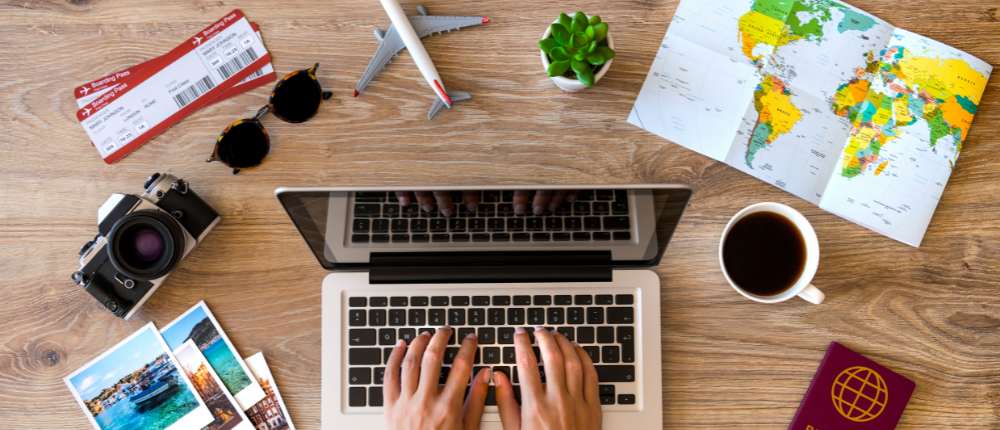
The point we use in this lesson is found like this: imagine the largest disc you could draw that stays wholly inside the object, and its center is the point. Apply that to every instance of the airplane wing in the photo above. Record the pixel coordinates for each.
(390, 44)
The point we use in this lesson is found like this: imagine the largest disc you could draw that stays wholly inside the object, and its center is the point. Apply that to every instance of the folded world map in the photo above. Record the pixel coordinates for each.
(821, 99)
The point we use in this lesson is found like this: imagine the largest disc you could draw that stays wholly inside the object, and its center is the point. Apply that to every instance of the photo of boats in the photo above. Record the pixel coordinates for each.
(138, 384)
(227, 414)
(200, 326)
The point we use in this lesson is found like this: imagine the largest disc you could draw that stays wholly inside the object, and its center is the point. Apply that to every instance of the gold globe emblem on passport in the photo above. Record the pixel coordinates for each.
(859, 394)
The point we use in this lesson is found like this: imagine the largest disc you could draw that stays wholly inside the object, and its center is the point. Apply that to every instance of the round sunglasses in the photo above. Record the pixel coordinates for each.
(245, 142)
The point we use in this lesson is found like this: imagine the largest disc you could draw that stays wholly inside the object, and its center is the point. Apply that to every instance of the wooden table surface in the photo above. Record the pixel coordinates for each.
(932, 314)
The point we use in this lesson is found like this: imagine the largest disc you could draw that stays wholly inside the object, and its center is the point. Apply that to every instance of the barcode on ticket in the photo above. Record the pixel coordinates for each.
(237, 63)
(194, 91)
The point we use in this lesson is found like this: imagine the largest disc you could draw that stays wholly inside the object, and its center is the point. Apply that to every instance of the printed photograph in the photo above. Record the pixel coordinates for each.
(226, 412)
(270, 413)
(199, 325)
(138, 384)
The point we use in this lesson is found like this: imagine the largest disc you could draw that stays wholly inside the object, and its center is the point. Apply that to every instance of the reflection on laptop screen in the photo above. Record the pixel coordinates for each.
(344, 228)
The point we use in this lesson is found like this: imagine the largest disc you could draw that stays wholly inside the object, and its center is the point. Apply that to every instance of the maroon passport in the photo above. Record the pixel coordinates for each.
(852, 392)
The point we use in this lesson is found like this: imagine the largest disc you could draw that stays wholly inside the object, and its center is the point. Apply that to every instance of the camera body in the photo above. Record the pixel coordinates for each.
(140, 241)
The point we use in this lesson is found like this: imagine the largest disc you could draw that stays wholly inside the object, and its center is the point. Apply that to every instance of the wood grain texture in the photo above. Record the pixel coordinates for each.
(932, 313)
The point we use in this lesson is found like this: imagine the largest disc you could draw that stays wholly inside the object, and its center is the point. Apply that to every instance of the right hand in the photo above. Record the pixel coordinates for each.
(567, 401)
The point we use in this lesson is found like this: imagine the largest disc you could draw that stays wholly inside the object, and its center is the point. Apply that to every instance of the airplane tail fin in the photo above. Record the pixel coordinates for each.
(438, 105)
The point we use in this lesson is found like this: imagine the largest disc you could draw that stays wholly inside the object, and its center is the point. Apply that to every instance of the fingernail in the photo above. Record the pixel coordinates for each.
(446, 211)
(402, 201)
(472, 207)
(484, 375)
(400, 342)
(520, 330)
(425, 333)
(427, 208)
(539, 328)
(538, 210)
(470, 336)
(520, 208)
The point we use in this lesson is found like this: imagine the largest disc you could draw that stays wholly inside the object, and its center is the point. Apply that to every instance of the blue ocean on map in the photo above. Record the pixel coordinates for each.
(124, 415)
(225, 365)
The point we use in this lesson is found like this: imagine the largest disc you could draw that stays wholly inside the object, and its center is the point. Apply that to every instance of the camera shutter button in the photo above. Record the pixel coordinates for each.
(128, 284)
(177, 214)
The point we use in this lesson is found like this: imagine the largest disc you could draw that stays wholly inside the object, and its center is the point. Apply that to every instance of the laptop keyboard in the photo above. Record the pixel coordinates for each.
(603, 324)
(594, 216)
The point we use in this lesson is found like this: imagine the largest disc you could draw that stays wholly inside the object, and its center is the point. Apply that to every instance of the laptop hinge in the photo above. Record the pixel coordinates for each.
(477, 267)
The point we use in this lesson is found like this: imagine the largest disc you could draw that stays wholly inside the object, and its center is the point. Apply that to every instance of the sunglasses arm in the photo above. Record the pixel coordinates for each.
(262, 112)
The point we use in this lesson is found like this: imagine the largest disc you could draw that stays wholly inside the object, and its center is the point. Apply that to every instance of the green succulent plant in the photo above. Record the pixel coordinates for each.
(579, 44)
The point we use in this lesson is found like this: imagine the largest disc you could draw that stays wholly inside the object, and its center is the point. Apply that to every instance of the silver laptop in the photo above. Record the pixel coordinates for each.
(583, 269)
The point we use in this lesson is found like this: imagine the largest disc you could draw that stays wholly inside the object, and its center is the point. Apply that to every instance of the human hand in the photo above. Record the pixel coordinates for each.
(569, 398)
(413, 399)
(539, 201)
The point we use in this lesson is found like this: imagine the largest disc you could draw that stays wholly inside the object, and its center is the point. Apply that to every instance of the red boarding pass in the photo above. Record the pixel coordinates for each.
(193, 75)
(90, 91)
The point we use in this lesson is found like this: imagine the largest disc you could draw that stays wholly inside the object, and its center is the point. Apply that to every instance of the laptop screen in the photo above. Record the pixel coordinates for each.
(343, 227)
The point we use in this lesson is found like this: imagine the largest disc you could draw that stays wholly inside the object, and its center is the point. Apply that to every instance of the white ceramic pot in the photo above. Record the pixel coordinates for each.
(572, 85)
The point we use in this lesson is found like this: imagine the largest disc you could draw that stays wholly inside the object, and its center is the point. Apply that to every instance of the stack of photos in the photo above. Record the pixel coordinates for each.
(137, 384)
(187, 376)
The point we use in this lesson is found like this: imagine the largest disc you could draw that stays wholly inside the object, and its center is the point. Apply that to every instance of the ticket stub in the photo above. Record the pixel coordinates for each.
(90, 91)
(147, 102)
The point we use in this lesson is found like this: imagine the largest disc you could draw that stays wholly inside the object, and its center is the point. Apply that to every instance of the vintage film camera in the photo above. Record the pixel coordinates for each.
(140, 241)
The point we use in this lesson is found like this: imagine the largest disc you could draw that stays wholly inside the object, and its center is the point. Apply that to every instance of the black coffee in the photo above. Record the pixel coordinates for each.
(764, 253)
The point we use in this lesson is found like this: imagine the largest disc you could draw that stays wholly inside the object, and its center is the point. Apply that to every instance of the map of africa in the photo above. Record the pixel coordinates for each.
(821, 99)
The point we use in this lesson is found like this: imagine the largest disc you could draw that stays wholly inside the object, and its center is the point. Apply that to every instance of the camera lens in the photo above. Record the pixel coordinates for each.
(145, 244)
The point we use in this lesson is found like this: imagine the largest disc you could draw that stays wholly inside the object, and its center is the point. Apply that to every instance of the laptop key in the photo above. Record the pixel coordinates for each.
(556, 316)
(361, 337)
(357, 397)
(601, 208)
(477, 224)
(501, 300)
(436, 317)
(533, 223)
(480, 300)
(619, 208)
(390, 211)
(416, 317)
(376, 317)
(439, 225)
(439, 301)
(375, 397)
(359, 238)
(495, 317)
(419, 301)
(398, 301)
(386, 353)
(357, 302)
(607, 400)
(411, 211)
(460, 301)
(495, 224)
(400, 238)
(456, 225)
(595, 315)
(509, 355)
(521, 237)
(561, 237)
(594, 353)
(628, 352)
(553, 224)
(397, 317)
(563, 299)
(626, 399)
(626, 334)
(400, 225)
(380, 225)
(364, 356)
(568, 332)
(541, 237)
(542, 300)
(505, 335)
(581, 237)
(407, 334)
(605, 335)
(624, 299)
(378, 302)
(460, 237)
(361, 225)
(515, 316)
(501, 237)
(380, 238)
(605, 299)
(367, 210)
(386, 336)
(583, 299)
(610, 354)
(515, 224)
(456, 317)
(522, 300)
(450, 353)
(418, 225)
(604, 195)
(581, 208)
(440, 237)
(573, 224)
(359, 376)
(463, 332)
(536, 316)
(574, 315)
(616, 223)
(622, 235)
(420, 238)
(615, 373)
(585, 334)
(369, 196)
(487, 336)
(477, 316)
(491, 355)
(622, 315)
(606, 390)
(592, 223)
(356, 318)
(601, 236)
(378, 375)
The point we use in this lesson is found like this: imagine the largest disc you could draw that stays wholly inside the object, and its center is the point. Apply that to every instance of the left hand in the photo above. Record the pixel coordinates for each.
(413, 399)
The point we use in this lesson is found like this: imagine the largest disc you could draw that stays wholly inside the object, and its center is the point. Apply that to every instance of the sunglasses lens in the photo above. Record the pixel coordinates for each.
(297, 97)
(244, 144)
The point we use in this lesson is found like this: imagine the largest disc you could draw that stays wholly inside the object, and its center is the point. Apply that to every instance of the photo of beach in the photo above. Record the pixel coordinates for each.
(199, 325)
(225, 411)
(138, 384)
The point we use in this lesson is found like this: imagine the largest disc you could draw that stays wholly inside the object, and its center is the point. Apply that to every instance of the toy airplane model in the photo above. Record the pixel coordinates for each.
(399, 35)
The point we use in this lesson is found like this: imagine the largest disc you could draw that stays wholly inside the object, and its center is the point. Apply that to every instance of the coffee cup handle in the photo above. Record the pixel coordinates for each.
(812, 295)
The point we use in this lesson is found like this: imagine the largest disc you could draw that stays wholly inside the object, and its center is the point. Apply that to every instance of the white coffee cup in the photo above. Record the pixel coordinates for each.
(803, 285)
